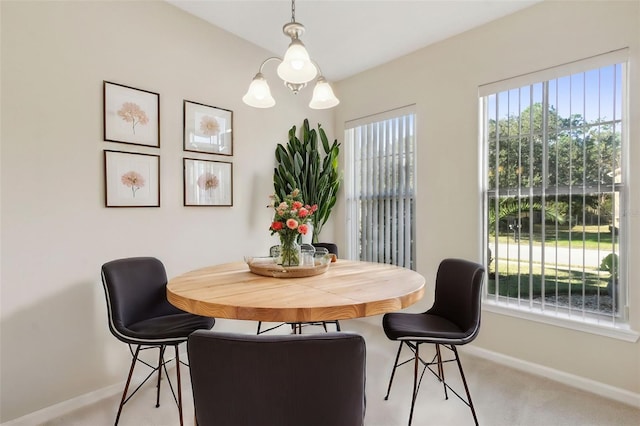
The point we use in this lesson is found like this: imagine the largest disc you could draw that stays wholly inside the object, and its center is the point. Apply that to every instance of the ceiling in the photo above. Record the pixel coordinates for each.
(346, 37)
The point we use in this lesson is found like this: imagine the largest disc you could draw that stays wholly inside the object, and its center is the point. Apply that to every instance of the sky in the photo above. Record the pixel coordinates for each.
(593, 94)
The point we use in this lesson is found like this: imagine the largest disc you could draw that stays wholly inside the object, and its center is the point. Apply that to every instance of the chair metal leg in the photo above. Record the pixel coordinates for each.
(179, 384)
(441, 371)
(135, 358)
(466, 388)
(261, 331)
(393, 372)
(126, 386)
(160, 362)
(296, 327)
(415, 381)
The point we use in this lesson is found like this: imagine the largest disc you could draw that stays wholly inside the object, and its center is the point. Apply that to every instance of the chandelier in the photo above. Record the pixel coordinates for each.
(296, 69)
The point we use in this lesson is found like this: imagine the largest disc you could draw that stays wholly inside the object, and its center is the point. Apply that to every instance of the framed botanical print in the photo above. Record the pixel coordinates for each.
(131, 115)
(131, 179)
(207, 129)
(208, 183)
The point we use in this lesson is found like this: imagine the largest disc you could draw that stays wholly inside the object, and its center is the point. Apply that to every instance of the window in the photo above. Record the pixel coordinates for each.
(554, 187)
(380, 188)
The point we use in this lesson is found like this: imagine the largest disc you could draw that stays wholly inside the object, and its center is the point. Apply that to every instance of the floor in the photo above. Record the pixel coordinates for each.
(502, 396)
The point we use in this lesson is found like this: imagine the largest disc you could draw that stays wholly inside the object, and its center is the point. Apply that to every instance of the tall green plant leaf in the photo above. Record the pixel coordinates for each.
(300, 165)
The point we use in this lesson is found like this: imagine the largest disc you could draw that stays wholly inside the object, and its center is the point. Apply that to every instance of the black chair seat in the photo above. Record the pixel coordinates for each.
(170, 329)
(427, 328)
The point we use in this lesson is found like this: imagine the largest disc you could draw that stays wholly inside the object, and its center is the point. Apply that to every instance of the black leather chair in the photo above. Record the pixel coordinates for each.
(331, 247)
(453, 320)
(140, 315)
(278, 380)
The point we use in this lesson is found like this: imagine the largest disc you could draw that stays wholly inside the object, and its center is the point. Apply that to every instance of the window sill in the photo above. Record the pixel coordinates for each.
(586, 325)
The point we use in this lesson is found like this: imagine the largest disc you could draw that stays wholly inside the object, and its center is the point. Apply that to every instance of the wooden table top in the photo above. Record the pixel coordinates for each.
(349, 289)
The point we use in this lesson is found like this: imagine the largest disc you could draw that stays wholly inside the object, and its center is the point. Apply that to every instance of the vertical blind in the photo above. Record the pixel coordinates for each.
(380, 187)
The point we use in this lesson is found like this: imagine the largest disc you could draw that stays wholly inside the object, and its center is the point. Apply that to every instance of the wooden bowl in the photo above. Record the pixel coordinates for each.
(278, 271)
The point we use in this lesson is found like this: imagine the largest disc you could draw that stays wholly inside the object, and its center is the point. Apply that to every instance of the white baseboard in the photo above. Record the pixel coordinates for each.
(588, 385)
(52, 412)
(58, 410)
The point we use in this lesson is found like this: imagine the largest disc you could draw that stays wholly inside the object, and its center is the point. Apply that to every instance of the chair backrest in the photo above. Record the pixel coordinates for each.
(309, 247)
(333, 248)
(458, 294)
(135, 289)
(284, 380)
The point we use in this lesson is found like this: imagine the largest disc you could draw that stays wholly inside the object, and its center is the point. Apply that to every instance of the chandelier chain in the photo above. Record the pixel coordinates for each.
(293, 11)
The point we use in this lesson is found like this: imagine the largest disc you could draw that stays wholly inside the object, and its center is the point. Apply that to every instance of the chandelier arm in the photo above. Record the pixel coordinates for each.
(267, 60)
(317, 66)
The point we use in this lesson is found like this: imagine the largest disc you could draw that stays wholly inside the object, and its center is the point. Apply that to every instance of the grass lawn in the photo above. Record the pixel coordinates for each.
(561, 285)
(592, 237)
(514, 281)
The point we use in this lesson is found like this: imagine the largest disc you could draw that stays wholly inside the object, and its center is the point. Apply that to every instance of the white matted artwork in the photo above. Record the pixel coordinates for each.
(131, 179)
(208, 183)
(207, 129)
(131, 115)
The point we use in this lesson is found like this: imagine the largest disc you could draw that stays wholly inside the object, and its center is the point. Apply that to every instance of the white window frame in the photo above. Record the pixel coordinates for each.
(618, 327)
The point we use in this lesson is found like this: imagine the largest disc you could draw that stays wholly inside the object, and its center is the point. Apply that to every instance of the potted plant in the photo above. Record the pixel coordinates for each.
(301, 166)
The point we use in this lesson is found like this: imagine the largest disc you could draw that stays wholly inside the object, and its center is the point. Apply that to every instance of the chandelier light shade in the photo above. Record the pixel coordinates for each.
(296, 69)
(296, 66)
(259, 94)
(323, 97)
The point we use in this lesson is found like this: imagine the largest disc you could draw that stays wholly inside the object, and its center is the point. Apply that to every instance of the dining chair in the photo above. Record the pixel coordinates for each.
(140, 315)
(331, 247)
(453, 320)
(279, 380)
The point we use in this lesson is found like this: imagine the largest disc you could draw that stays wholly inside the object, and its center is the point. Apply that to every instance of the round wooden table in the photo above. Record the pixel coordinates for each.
(349, 289)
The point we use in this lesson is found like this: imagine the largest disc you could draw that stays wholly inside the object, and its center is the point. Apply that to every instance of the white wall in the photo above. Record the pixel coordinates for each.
(442, 80)
(56, 232)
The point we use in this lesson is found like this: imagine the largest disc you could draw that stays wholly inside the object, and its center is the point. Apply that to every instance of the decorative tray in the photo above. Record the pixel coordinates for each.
(268, 268)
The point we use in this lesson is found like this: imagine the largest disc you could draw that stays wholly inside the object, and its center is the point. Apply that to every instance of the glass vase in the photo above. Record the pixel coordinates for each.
(289, 251)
